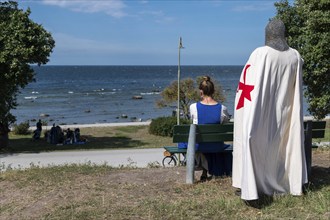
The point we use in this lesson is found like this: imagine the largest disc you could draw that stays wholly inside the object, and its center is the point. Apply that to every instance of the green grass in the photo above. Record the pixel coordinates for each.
(103, 192)
(98, 138)
(124, 137)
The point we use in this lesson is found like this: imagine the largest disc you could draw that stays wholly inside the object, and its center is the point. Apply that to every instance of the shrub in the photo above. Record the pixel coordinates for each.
(163, 126)
(22, 129)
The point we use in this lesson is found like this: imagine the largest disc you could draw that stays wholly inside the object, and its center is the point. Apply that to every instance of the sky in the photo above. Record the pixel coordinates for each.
(147, 32)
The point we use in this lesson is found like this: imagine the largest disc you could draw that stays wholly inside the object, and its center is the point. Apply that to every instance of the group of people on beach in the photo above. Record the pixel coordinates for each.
(268, 155)
(57, 135)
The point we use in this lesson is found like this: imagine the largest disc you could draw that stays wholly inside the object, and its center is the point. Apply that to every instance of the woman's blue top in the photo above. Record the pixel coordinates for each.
(209, 114)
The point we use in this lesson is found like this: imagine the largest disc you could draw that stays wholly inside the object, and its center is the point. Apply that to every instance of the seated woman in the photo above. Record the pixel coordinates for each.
(209, 111)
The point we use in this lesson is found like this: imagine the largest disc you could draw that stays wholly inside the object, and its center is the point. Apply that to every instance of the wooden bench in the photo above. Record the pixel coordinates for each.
(204, 133)
(197, 134)
(312, 129)
(216, 133)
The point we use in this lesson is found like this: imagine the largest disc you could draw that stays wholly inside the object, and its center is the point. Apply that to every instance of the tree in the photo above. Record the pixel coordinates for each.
(308, 30)
(22, 43)
(189, 93)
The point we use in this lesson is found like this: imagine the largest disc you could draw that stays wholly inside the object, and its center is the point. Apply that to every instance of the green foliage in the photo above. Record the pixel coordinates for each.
(163, 126)
(189, 93)
(22, 129)
(308, 30)
(22, 42)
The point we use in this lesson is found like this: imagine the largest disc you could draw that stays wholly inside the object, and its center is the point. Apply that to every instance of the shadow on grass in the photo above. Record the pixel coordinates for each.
(261, 203)
(27, 145)
(320, 177)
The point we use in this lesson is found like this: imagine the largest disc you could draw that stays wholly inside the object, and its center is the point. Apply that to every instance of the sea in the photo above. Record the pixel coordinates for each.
(110, 94)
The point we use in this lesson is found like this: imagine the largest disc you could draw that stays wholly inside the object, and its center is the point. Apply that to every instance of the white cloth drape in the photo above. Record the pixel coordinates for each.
(268, 154)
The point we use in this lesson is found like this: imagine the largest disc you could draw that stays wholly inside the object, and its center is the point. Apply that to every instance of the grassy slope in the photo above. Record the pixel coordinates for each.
(90, 192)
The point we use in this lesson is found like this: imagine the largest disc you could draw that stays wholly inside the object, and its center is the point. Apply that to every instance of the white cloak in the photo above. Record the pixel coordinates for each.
(269, 154)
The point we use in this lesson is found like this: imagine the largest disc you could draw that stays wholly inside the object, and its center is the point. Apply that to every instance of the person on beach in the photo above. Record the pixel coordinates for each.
(37, 132)
(39, 125)
(53, 135)
(209, 111)
(69, 136)
(268, 150)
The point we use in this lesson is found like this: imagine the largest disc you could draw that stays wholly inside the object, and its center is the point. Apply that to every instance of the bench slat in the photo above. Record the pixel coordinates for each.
(215, 128)
(210, 128)
(181, 129)
(318, 133)
(175, 150)
(177, 138)
(316, 124)
(216, 137)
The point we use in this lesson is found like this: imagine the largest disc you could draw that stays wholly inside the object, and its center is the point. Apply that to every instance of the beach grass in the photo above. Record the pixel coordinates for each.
(103, 192)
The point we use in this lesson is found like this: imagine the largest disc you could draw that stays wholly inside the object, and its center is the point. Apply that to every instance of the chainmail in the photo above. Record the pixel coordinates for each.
(275, 35)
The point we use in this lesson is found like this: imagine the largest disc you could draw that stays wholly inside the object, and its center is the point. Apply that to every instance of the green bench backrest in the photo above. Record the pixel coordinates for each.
(318, 128)
(204, 133)
(224, 132)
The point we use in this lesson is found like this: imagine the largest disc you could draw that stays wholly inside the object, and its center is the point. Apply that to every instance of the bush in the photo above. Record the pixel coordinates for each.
(163, 126)
(22, 129)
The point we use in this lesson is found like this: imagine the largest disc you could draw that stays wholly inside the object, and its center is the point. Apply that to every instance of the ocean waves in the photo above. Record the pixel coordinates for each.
(102, 94)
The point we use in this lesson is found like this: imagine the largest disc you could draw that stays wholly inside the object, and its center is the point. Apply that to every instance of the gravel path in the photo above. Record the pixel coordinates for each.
(115, 158)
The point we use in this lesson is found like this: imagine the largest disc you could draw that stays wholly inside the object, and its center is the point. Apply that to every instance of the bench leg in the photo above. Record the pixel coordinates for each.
(191, 155)
(308, 148)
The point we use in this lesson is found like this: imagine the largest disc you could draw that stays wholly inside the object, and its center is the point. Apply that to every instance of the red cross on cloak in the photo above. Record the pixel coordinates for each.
(246, 90)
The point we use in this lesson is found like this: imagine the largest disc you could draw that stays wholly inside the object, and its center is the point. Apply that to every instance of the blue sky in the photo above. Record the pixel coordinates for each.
(140, 32)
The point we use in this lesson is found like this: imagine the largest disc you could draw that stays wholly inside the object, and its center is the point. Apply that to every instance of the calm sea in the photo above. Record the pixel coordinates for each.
(104, 94)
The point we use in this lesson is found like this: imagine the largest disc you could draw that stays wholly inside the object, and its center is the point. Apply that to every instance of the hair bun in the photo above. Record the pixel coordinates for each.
(206, 78)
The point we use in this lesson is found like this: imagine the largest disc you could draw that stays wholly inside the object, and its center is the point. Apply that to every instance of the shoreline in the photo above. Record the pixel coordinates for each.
(96, 125)
(118, 124)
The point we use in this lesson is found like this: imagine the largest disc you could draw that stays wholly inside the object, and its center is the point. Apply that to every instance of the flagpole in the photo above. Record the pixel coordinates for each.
(178, 107)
